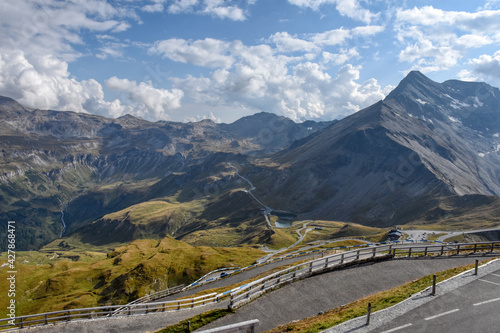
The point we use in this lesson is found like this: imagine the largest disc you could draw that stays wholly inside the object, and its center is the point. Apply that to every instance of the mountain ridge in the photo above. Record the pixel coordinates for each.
(412, 157)
(53, 161)
(407, 147)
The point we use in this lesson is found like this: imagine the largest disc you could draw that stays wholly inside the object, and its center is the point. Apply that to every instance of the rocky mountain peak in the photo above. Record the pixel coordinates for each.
(424, 141)
(474, 105)
(8, 105)
(415, 86)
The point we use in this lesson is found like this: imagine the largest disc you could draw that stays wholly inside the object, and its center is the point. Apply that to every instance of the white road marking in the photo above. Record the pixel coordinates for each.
(442, 314)
(495, 274)
(485, 302)
(497, 284)
(397, 328)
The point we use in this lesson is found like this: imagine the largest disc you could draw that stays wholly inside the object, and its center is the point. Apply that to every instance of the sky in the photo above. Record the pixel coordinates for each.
(188, 60)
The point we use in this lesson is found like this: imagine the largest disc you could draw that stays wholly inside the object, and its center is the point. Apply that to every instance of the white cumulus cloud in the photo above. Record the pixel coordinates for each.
(207, 53)
(485, 67)
(37, 41)
(223, 9)
(287, 43)
(45, 83)
(349, 8)
(314, 43)
(145, 100)
(262, 78)
(435, 39)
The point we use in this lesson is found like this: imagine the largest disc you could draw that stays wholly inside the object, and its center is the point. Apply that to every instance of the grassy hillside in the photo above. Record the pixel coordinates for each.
(459, 213)
(68, 274)
(332, 230)
(231, 218)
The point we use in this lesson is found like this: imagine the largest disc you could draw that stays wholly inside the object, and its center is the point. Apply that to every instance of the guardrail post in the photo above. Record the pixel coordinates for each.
(252, 327)
(129, 312)
(425, 252)
(409, 252)
(357, 255)
(231, 303)
(433, 293)
(492, 246)
(368, 314)
(458, 249)
(178, 305)
(373, 253)
(147, 308)
(442, 249)
(326, 262)
(69, 315)
(21, 322)
(46, 320)
(342, 258)
(475, 248)
(163, 308)
(476, 267)
(310, 268)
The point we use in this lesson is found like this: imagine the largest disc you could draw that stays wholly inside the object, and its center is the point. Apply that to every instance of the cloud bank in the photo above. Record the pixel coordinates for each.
(308, 75)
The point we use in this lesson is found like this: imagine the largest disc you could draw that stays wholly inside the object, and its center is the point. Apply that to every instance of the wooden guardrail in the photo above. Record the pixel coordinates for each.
(245, 293)
(246, 326)
(427, 250)
(105, 311)
(151, 297)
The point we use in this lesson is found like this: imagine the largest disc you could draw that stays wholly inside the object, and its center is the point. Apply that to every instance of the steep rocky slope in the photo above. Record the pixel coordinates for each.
(62, 170)
(396, 160)
(421, 155)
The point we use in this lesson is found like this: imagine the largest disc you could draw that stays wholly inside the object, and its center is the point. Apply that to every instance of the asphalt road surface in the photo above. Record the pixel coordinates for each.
(323, 292)
(243, 276)
(301, 299)
(417, 235)
(474, 307)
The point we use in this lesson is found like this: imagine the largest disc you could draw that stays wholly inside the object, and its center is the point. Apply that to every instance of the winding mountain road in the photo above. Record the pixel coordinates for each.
(308, 297)
(295, 301)
(252, 187)
(266, 209)
(301, 238)
(419, 234)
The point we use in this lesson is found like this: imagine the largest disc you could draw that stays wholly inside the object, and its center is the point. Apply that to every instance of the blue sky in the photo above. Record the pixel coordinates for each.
(187, 60)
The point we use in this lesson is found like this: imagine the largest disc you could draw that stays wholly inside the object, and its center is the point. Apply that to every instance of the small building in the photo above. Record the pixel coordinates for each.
(394, 234)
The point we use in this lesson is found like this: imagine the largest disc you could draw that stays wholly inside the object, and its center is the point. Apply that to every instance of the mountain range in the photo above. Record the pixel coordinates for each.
(401, 160)
(426, 154)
